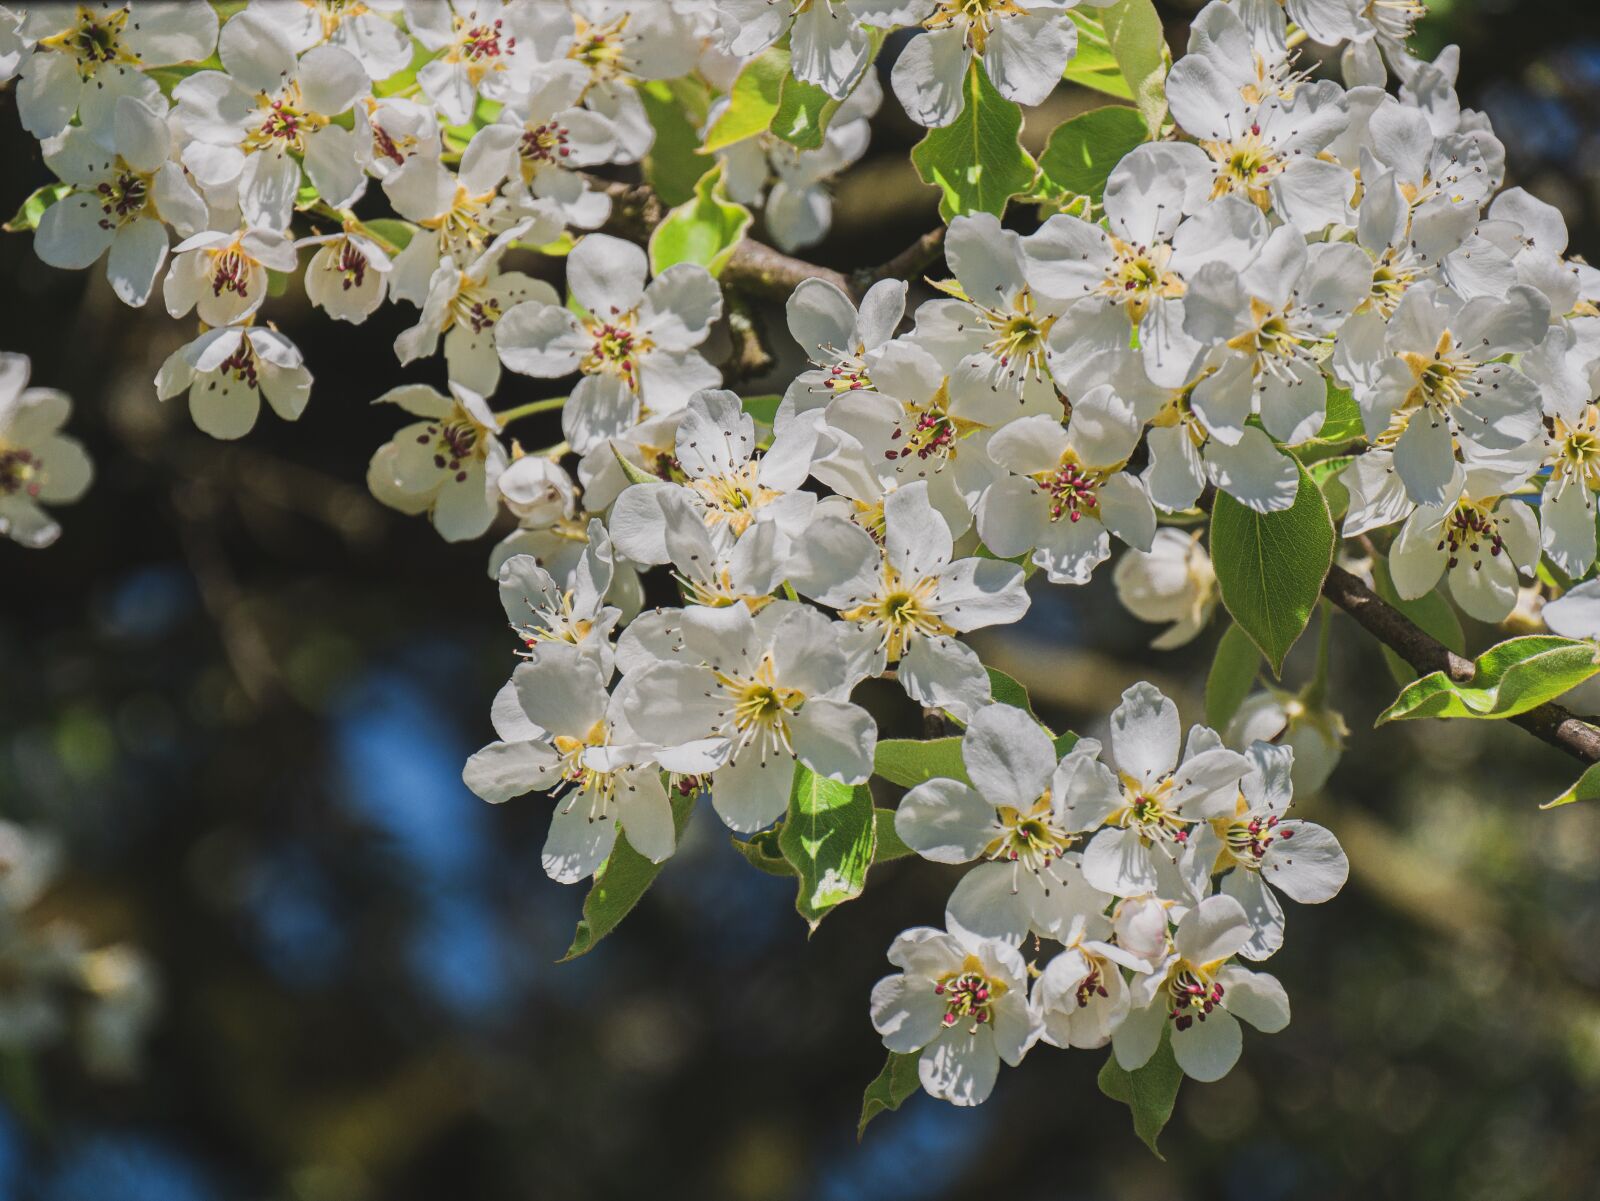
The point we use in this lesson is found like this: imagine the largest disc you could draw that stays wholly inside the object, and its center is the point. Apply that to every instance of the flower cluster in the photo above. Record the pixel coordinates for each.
(1295, 273)
(58, 982)
(1114, 854)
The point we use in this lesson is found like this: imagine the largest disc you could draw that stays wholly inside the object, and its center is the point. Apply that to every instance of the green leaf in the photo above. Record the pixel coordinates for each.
(1326, 473)
(804, 113)
(763, 408)
(1586, 789)
(828, 835)
(1139, 44)
(675, 164)
(752, 101)
(1150, 1092)
(620, 882)
(1270, 566)
(907, 762)
(894, 1084)
(1094, 66)
(1343, 422)
(1081, 152)
(1233, 674)
(1007, 691)
(1432, 612)
(703, 230)
(976, 163)
(1064, 743)
(402, 80)
(763, 852)
(1511, 678)
(889, 844)
(395, 232)
(636, 475)
(33, 208)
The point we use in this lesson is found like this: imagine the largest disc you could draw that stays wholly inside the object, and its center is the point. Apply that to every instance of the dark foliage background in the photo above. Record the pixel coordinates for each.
(244, 692)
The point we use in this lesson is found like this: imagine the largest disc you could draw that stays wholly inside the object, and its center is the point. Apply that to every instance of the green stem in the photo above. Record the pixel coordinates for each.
(1315, 693)
(532, 407)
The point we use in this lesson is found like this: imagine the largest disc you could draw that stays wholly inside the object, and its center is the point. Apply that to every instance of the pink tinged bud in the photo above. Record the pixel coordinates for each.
(949, 1019)
(939, 989)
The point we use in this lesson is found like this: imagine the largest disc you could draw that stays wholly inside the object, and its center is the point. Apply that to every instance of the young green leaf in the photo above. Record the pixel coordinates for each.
(828, 835)
(33, 208)
(897, 1081)
(1150, 1092)
(635, 474)
(618, 885)
(907, 762)
(703, 230)
(1094, 66)
(674, 164)
(763, 852)
(1326, 473)
(889, 844)
(752, 101)
(1343, 421)
(1270, 566)
(763, 408)
(804, 114)
(1139, 44)
(1007, 691)
(1082, 152)
(976, 163)
(1586, 789)
(1511, 678)
(1233, 674)
(396, 233)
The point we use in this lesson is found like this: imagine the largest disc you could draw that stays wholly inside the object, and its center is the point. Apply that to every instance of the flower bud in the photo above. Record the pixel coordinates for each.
(1171, 582)
(537, 491)
(1316, 734)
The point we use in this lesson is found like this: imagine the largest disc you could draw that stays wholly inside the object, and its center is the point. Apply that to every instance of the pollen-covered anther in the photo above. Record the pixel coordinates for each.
(230, 272)
(454, 443)
(1248, 840)
(969, 995)
(122, 198)
(1194, 995)
(351, 265)
(545, 143)
(1470, 528)
(933, 435)
(1072, 491)
(20, 471)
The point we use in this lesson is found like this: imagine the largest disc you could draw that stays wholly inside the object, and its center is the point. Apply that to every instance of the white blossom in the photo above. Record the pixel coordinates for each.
(446, 465)
(229, 371)
(961, 1004)
(633, 345)
(39, 465)
(1171, 582)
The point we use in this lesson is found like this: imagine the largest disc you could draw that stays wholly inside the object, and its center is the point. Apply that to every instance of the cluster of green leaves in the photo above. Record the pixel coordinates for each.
(705, 226)
(978, 163)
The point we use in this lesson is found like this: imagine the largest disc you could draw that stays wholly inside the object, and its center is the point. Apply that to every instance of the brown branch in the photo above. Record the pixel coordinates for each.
(756, 268)
(912, 261)
(1416, 646)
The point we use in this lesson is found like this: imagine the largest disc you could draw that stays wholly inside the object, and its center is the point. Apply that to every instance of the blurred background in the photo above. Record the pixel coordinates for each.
(239, 692)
